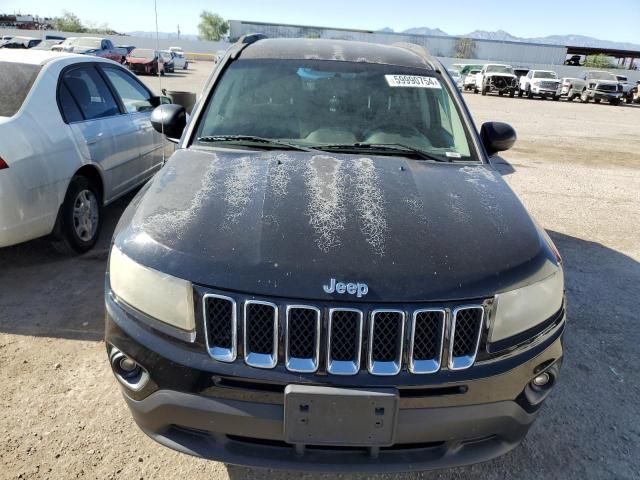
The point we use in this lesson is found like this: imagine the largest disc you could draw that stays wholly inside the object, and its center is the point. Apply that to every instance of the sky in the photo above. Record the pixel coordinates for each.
(523, 19)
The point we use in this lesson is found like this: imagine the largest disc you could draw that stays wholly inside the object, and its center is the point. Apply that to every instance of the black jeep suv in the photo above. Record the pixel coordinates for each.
(328, 274)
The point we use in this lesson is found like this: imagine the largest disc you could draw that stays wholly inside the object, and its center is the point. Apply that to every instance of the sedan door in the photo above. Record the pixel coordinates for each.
(103, 134)
(138, 103)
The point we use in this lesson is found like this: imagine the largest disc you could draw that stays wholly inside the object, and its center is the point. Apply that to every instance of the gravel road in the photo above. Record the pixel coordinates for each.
(576, 168)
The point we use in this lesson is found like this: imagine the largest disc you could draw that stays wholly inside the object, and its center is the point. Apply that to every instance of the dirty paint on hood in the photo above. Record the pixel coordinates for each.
(285, 223)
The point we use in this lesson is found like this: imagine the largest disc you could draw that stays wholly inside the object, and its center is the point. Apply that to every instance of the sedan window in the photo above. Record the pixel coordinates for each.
(134, 96)
(70, 111)
(91, 93)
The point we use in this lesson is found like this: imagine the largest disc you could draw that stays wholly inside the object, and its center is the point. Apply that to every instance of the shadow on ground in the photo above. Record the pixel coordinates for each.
(46, 293)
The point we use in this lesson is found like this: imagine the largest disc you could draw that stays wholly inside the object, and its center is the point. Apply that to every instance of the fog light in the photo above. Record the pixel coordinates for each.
(127, 371)
(541, 380)
(127, 364)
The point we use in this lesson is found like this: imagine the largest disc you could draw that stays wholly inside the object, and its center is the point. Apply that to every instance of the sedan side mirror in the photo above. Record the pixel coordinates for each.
(497, 137)
(169, 119)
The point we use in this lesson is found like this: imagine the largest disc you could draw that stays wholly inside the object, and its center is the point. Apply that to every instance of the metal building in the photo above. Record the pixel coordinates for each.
(448, 47)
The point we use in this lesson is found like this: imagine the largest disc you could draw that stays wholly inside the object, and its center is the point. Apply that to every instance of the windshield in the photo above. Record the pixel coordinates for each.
(603, 76)
(16, 80)
(500, 69)
(83, 42)
(314, 103)
(143, 53)
(544, 75)
(454, 73)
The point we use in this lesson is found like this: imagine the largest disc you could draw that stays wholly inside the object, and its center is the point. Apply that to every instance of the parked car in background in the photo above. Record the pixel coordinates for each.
(179, 60)
(593, 85)
(520, 72)
(497, 78)
(176, 49)
(98, 47)
(46, 44)
(465, 69)
(145, 60)
(4, 38)
(74, 136)
(21, 42)
(128, 48)
(542, 83)
(456, 77)
(167, 58)
(469, 80)
(627, 88)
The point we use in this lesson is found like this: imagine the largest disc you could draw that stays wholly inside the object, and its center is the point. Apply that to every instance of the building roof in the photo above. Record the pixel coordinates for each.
(340, 50)
(611, 52)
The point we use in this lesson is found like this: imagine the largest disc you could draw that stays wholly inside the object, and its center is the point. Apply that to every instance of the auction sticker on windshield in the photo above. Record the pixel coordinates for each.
(415, 81)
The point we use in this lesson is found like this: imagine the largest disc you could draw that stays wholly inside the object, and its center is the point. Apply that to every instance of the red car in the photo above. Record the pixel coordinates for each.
(145, 60)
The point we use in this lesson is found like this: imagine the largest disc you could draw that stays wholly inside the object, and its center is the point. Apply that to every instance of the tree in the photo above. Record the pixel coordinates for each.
(212, 26)
(598, 61)
(68, 22)
(465, 48)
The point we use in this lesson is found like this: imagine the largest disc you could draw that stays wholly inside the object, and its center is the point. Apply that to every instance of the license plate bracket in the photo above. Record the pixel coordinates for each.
(340, 416)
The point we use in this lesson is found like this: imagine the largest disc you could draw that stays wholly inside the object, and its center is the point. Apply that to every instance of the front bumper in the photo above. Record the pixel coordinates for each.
(237, 416)
(596, 95)
(546, 92)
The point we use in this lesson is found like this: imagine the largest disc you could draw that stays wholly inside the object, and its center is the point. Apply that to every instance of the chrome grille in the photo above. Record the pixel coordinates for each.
(260, 334)
(386, 335)
(426, 341)
(220, 327)
(333, 338)
(466, 328)
(302, 341)
(549, 84)
(344, 345)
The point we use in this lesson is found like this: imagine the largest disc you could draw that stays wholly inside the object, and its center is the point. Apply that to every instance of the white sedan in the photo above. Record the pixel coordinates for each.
(74, 136)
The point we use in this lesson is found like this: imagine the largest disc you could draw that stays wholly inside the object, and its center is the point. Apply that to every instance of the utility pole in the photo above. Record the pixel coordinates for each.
(178, 32)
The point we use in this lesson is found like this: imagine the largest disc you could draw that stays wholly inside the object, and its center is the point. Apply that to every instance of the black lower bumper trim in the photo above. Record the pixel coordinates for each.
(250, 434)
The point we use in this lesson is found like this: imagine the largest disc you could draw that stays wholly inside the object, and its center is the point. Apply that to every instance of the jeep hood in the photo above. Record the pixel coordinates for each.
(284, 224)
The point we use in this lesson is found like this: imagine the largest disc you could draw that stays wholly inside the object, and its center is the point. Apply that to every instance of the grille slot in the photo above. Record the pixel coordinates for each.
(344, 341)
(386, 332)
(466, 327)
(426, 341)
(260, 334)
(220, 327)
(302, 345)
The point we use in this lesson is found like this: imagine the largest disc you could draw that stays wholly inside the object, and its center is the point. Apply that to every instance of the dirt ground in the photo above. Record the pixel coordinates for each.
(576, 168)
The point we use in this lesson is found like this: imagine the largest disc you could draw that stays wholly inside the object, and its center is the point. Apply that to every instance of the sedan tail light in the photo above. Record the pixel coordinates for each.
(3, 164)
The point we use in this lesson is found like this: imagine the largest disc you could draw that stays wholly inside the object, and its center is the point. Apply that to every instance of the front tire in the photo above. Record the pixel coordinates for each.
(80, 218)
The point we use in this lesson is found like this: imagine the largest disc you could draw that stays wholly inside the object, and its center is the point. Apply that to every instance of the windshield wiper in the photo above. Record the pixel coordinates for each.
(253, 141)
(384, 148)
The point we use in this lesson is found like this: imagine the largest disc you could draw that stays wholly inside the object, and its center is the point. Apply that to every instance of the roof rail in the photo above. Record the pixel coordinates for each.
(250, 38)
(243, 42)
(418, 50)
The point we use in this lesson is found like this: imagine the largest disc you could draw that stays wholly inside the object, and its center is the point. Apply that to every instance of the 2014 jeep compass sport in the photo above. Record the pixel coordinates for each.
(329, 275)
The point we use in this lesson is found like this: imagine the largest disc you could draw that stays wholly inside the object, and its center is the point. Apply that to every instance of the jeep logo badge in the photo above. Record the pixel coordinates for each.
(357, 289)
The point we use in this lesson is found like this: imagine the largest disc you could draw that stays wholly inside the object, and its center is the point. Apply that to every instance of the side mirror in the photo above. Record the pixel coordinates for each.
(169, 119)
(497, 137)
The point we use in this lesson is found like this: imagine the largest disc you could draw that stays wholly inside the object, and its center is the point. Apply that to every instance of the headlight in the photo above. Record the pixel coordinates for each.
(519, 310)
(161, 296)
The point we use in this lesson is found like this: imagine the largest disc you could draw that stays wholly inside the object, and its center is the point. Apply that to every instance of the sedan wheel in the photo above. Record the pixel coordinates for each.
(85, 215)
(78, 226)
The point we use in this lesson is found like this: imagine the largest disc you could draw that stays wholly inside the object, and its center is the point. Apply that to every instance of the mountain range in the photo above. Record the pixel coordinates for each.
(574, 40)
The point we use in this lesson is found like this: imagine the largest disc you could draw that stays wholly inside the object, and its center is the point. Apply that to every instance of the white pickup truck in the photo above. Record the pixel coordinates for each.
(496, 78)
(593, 85)
(543, 83)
